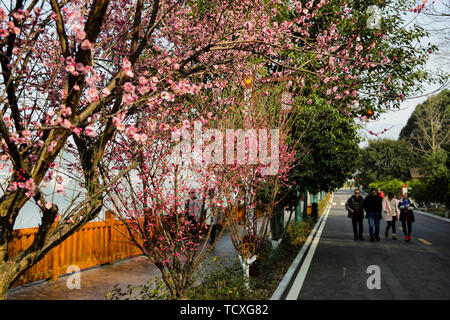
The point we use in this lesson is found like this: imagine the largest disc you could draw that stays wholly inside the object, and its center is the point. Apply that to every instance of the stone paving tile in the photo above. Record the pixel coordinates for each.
(98, 281)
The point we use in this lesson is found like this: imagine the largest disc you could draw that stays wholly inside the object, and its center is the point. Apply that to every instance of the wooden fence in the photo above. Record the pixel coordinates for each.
(94, 244)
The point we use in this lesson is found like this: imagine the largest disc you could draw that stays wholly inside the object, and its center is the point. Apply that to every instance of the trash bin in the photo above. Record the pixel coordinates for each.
(314, 210)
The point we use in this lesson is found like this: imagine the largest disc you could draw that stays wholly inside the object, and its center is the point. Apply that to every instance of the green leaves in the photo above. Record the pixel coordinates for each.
(385, 160)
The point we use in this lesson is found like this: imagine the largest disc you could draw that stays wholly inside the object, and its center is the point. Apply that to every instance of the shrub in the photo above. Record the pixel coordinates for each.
(297, 233)
(154, 289)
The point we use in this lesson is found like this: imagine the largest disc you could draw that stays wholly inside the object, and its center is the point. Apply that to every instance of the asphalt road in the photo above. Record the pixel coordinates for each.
(418, 269)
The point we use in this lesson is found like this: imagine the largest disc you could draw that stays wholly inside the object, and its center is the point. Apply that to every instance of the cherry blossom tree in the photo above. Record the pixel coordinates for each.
(150, 200)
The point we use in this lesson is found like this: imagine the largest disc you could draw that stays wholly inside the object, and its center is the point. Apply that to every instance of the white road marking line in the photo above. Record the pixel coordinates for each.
(425, 241)
(298, 283)
(342, 203)
(334, 203)
(290, 273)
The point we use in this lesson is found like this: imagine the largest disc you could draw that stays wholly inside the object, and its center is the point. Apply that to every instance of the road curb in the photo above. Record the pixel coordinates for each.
(432, 215)
(291, 274)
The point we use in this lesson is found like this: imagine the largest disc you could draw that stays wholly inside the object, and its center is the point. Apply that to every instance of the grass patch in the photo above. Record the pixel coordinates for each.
(227, 281)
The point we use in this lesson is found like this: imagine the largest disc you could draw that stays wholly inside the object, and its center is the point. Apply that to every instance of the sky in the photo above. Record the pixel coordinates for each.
(395, 120)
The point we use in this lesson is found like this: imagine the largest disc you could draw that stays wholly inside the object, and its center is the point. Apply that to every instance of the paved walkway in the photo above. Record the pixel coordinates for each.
(98, 281)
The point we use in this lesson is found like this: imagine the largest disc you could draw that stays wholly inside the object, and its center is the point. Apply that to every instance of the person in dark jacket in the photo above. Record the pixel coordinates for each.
(373, 206)
(406, 216)
(354, 206)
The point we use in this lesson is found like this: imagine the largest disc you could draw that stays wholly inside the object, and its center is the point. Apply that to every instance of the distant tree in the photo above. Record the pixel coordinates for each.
(428, 132)
(428, 127)
(384, 160)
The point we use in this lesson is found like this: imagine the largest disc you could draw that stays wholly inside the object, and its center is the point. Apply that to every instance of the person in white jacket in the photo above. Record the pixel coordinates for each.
(391, 214)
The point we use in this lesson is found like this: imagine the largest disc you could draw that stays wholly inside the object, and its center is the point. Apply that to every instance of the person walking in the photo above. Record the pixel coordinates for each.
(380, 193)
(391, 212)
(406, 216)
(354, 206)
(373, 206)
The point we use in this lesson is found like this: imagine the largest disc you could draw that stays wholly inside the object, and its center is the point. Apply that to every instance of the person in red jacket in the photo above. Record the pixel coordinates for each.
(406, 216)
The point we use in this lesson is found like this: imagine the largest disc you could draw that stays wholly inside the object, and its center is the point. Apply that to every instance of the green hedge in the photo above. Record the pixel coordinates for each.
(394, 186)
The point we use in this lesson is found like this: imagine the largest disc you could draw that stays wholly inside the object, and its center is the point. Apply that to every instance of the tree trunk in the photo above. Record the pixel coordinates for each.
(5, 279)
(3, 290)
(181, 294)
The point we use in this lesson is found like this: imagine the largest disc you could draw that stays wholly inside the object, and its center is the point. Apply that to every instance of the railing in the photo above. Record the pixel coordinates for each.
(94, 244)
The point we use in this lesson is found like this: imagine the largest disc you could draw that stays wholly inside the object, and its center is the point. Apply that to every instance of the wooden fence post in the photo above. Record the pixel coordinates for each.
(109, 219)
(56, 252)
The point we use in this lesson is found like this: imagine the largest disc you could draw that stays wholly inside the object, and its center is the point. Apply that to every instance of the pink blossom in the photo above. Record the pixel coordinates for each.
(80, 35)
(128, 87)
(129, 73)
(60, 189)
(67, 124)
(3, 15)
(126, 64)
(129, 98)
(13, 186)
(131, 131)
(4, 33)
(92, 95)
(86, 45)
(26, 134)
(77, 131)
(143, 137)
(89, 131)
(106, 92)
(167, 96)
(37, 11)
(70, 68)
(120, 126)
